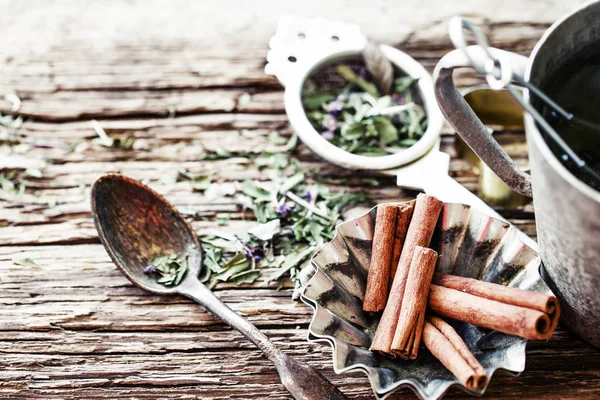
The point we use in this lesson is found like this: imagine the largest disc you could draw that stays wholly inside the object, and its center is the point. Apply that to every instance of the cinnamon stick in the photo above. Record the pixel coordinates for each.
(415, 301)
(405, 212)
(447, 330)
(418, 337)
(443, 350)
(479, 311)
(425, 215)
(379, 269)
(518, 297)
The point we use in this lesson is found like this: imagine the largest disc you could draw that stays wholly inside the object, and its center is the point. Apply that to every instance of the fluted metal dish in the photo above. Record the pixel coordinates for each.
(470, 244)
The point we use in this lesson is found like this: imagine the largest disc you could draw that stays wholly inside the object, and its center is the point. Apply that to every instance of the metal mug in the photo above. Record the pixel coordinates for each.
(567, 210)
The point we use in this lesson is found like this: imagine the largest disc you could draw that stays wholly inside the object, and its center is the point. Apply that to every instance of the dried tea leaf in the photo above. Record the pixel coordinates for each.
(292, 142)
(386, 130)
(292, 182)
(201, 183)
(271, 160)
(219, 190)
(232, 270)
(267, 230)
(223, 219)
(371, 181)
(25, 262)
(179, 275)
(292, 261)
(402, 84)
(276, 139)
(315, 102)
(246, 276)
(168, 270)
(252, 189)
(244, 99)
(218, 154)
(248, 133)
(33, 173)
(351, 77)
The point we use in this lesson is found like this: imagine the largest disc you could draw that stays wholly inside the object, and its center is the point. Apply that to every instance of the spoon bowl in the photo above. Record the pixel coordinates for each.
(137, 225)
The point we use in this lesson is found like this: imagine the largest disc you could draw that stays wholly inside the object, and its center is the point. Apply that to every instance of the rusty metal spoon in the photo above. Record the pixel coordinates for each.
(136, 225)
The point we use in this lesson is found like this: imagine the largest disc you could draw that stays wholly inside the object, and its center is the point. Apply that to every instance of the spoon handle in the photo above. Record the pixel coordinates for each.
(300, 379)
(197, 291)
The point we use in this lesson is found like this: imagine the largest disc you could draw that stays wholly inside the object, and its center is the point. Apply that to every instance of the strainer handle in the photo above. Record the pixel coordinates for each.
(466, 123)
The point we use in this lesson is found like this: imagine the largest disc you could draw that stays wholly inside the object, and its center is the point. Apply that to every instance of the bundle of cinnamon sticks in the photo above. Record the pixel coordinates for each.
(402, 283)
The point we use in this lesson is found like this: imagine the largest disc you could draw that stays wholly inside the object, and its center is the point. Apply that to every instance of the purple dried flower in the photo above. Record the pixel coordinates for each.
(252, 248)
(334, 107)
(284, 209)
(308, 196)
(255, 252)
(399, 98)
(328, 135)
(150, 269)
(329, 123)
(364, 73)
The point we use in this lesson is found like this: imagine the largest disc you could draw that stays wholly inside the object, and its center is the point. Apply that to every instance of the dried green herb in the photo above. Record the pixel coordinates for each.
(33, 173)
(168, 270)
(9, 126)
(276, 139)
(358, 119)
(13, 182)
(223, 219)
(11, 121)
(125, 143)
(219, 154)
(272, 160)
(228, 259)
(244, 99)
(294, 218)
(25, 262)
(199, 182)
(371, 181)
(247, 133)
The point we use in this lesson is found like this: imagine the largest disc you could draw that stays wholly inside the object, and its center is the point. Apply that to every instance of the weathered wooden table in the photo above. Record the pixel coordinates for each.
(169, 76)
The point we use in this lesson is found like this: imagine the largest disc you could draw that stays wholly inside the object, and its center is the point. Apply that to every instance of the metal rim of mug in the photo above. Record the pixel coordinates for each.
(548, 155)
(331, 153)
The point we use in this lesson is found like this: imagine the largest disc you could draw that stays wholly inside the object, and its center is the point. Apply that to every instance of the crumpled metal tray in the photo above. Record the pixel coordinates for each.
(470, 244)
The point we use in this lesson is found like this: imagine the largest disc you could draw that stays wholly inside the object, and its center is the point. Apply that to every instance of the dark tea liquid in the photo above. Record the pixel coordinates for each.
(576, 87)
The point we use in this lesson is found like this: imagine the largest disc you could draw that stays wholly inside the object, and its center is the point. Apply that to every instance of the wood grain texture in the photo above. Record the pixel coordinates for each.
(170, 74)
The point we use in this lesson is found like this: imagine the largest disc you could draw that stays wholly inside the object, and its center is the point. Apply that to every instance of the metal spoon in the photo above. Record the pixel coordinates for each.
(136, 225)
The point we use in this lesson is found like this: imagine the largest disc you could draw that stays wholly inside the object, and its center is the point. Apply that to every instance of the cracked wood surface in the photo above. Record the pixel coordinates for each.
(170, 75)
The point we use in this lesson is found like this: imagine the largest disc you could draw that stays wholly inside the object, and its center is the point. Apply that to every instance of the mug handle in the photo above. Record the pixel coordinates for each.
(466, 123)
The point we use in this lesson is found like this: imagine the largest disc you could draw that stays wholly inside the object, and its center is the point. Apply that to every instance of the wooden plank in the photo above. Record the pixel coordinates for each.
(191, 363)
(120, 82)
(100, 332)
